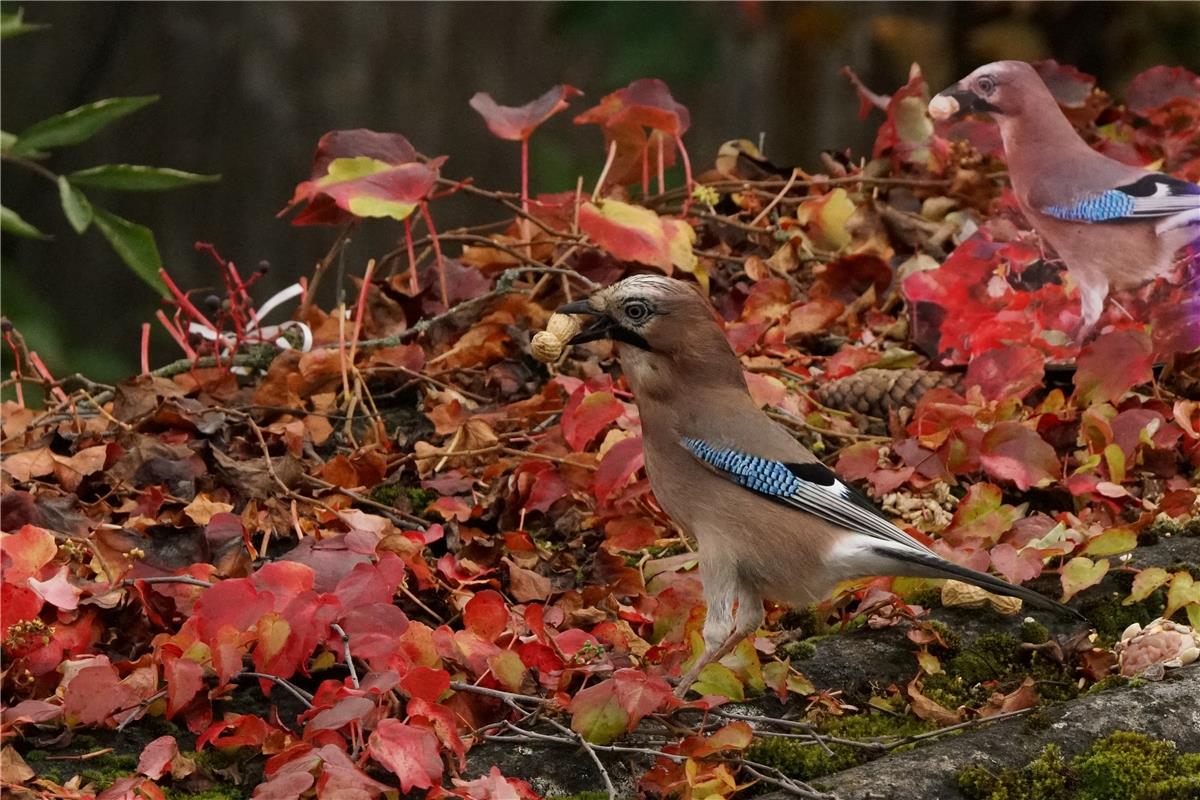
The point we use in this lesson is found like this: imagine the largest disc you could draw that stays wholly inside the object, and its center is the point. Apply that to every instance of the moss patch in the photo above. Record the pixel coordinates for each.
(1121, 766)
(805, 761)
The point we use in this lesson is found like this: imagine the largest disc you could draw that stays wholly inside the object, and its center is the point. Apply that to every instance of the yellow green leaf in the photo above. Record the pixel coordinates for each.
(1111, 542)
(1080, 573)
(1144, 584)
(1184, 591)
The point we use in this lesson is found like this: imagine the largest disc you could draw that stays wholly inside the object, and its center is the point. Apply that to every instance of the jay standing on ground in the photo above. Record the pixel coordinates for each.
(1112, 224)
(771, 520)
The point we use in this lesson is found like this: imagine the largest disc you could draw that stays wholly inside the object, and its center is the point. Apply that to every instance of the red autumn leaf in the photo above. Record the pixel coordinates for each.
(1158, 86)
(184, 678)
(362, 173)
(541, 484)
(57, 590)
(343, 712)
(587, 413)
(628, 232)
(426, 683)
(486, 615)
(443, 722)
(243, 730)
(596, 713)
(234, 602)
(640, 694)
(18, 604)
(624, 116)
(411, 753)
(630, 533)
(981, 515)
(1010, 451)
(1016, 567)
(156, 756)
(515, 123)
(1111, 365)
(619, 464)
(25, 552)
(95, 693)
(341, 777)
(1009, 372)
(373, 630)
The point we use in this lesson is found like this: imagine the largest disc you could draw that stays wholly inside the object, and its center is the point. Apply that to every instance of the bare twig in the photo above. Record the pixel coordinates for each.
(346, 652)
(185, 579)
(301, 695)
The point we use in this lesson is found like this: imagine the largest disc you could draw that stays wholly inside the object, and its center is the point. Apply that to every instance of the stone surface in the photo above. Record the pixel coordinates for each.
(1169, 709)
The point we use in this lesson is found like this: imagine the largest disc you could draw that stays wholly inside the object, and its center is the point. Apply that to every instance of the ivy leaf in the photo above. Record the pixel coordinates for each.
(1013, 452)
(628, 232)
(12, 222)
(516, 123)
(1113, 541)
(486, 615)
(78, 124)
(619, 464)
(137, 178)
(363, 173)
(75, 205)
(1081, 573)
(640, 694)
(1008, 372)
(1145, 583)
(134, 244)
(597, 715)
(1112, 365)
(411, 753)
(1183, 591)
(588, 413)
(719, 679)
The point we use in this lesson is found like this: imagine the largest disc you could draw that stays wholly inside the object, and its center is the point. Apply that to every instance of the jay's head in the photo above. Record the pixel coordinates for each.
(652, 313)
(1001, 88)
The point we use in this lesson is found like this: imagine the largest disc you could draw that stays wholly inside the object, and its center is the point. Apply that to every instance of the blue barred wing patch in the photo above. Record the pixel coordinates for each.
(1113, 204)
(758, 474)
(811, 488)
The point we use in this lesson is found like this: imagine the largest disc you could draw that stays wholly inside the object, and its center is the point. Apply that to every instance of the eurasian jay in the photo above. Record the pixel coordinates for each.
(1113, 225)
(772, 522)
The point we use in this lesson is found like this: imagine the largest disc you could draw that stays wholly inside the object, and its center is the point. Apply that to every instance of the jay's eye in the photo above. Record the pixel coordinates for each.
(987, 85)
(636, 311)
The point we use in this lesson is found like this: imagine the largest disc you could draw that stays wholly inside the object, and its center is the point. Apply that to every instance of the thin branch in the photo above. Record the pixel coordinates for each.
(346, 652)
(300, 694)
(168, 579)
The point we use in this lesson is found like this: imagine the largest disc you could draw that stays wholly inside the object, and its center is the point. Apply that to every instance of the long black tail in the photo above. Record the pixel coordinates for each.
(936, 567)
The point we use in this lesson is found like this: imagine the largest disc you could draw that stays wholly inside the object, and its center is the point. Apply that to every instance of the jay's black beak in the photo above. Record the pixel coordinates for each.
(600, 328)
(603, 327)
(954, 103)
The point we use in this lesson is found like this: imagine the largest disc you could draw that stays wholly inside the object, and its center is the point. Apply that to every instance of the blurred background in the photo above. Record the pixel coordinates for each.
(248, 88)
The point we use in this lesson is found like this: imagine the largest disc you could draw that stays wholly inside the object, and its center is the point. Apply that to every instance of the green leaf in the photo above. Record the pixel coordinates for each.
(719, 679)
(134, 244)
(75, 205)
(79, 124)
(7, 140)
(136, 178)
(1144, 584)
(1112, 542)
(11, 222)
(14, 24)
(1080, 573)
(596, 714)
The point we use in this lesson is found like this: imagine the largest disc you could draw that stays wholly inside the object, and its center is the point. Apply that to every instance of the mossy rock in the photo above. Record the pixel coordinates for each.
(1121, 766)
(806, 761)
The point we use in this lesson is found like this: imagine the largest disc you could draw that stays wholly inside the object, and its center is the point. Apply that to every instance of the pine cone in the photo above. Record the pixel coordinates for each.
(874, 391)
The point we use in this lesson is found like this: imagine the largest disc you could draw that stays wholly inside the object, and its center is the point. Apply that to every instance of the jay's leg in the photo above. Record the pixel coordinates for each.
(724, 629)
